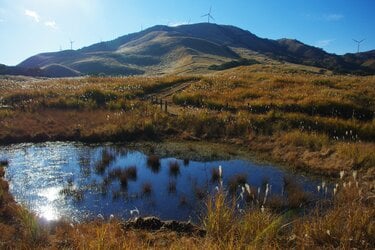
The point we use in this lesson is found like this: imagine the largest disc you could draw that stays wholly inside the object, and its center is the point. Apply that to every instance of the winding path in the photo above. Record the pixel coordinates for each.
(166, 95)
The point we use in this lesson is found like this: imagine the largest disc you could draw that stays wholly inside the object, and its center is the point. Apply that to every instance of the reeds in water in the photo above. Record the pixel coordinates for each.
(146, 188)
(174, 168)
(153, 161)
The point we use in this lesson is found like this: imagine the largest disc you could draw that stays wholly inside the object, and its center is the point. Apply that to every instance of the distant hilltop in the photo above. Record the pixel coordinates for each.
(195, 48)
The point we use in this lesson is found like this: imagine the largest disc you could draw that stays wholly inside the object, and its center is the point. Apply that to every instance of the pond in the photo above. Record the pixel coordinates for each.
(77, 181)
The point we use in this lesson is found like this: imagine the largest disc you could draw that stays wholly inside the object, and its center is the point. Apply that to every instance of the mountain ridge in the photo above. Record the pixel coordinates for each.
(186, 49)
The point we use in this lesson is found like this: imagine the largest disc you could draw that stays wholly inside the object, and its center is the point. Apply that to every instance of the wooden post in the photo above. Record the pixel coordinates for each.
(161, 104)
(166, 106)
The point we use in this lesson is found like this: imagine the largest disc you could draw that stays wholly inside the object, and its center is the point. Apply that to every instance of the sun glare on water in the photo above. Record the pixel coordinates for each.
(47, 210)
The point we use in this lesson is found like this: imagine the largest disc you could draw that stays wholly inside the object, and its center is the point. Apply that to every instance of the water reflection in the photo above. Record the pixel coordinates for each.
(51, 193)
(48, 212)
(76, 181)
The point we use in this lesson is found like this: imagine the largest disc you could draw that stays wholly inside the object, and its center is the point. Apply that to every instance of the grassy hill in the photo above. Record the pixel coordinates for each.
(188, 49)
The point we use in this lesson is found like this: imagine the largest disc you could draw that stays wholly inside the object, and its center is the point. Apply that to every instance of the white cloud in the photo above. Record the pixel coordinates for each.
(1, 20)
(51, 24)
(333, 17)
(324, 42)
(33, 15)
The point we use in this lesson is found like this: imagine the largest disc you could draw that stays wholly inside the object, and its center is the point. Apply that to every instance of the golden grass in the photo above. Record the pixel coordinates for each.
(312, 141)
(320, 123)
(362, 155)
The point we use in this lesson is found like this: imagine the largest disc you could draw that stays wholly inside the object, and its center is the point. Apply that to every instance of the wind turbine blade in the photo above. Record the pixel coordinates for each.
(356, 41)
(210, 10)
(212, 18)
(362, 40)
(204, 15)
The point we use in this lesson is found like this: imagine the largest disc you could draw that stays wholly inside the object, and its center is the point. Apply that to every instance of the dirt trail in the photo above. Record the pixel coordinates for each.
(165, 95)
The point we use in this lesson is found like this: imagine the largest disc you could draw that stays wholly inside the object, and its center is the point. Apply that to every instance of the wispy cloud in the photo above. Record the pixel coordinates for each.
(1, 20)
(34, 15)
(51, 24)
(333, 17)
(330, 17)
(324, 43)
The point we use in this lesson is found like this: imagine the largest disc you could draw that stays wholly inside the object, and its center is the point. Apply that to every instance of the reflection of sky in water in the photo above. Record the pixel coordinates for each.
(39, 172)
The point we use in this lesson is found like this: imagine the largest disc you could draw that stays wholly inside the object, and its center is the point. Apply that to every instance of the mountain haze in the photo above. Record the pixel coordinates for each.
(185, 49)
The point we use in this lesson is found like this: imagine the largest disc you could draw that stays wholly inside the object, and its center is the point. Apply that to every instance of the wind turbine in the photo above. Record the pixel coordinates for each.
(71, 44)
(358, 43)
(209, 16)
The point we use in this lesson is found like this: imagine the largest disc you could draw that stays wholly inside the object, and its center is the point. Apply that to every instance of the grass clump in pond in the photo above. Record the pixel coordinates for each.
(215, 175)
(296, 196)
(172, 187)
(106, 159)
(123, 175)
(123, 179)
(115, 173)
(186, 161)
(131, 173)
(70, 191)
(183, 200)
(236, 181)
(146, 189)
(174, 168)
(153, 161)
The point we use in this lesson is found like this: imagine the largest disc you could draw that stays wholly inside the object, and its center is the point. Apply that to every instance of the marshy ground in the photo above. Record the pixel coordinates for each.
(304, 119)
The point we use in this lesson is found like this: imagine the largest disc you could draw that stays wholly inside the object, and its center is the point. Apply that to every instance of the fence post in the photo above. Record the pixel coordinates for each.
(161, 104)
(166, 105)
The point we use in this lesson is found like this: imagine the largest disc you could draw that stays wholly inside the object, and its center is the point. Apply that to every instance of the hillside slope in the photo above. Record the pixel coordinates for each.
(188, 49)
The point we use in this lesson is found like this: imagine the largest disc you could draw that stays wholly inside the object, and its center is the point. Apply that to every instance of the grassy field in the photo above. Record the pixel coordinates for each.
(299, 117)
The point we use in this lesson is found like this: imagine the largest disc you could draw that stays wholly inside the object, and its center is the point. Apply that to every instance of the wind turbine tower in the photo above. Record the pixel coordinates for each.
(209, 16)
(71, 44)
(358, 43)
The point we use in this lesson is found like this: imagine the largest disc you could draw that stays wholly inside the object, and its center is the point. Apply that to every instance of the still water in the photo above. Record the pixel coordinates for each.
(77, 181)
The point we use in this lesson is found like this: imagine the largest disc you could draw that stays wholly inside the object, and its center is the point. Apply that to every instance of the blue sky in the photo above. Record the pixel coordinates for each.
(28, 27)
